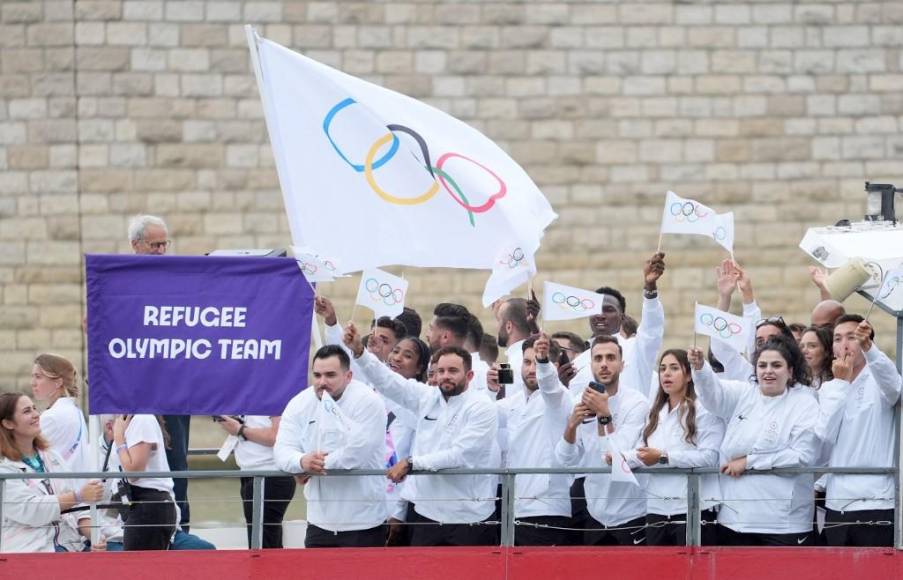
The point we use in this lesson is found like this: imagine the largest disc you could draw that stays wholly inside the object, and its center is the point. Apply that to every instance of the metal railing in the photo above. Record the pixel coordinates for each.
(506, 478)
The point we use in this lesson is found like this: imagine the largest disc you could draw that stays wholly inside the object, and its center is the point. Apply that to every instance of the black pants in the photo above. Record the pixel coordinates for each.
(277, 494)
(632, 533)
(427, 532)
(151, 520)
(862, 531)
(178, 427)
(320, 538)
(580, 516)
(728, 537)
(542, 531)
(672, 531)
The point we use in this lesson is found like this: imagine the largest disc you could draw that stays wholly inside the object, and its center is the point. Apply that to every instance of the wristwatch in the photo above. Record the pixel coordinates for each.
(241, 433)
(650, 294)
(542, 360)
(663, 459)
(605, 420)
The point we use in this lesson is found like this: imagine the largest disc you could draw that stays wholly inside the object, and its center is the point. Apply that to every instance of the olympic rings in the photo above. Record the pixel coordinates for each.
(890, 286)
(724, 328)
(687, 211)
(573, 302)
(382, 292)
(720, 233)
(514, 259)
(308, 268)
(439, 175)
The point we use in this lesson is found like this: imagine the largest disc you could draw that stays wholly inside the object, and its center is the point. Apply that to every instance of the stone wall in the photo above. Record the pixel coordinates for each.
(777, 110)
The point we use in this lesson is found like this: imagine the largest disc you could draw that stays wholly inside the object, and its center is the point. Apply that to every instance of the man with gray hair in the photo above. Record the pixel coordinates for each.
(149, 235)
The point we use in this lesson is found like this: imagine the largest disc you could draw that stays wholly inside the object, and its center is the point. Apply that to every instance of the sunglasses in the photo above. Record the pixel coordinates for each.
(775, 320)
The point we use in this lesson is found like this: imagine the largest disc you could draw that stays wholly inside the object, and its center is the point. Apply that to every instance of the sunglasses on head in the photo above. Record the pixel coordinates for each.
(775, 320)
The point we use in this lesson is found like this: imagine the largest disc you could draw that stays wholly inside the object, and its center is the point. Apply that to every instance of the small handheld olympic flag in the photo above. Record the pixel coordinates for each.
(316, 268)
(513, 266)
(724, 326)
(620, 470)
(687, 216)
(560, 302)
(382, 292)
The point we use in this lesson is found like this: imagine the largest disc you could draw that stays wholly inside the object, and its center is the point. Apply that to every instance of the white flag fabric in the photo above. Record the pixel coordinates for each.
(725, 326)
(620, 471)
(687, 216)
(373, 177)
(382, 293)
(724, 230)
(315, 268)
(332, 425)
(892, 284)
(512, 267)
(560, 302)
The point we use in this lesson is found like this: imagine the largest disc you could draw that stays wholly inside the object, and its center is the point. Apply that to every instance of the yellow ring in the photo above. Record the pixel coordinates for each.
(368, 172)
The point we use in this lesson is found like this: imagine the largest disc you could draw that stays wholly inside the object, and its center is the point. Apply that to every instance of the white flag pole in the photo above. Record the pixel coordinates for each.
(94, 454)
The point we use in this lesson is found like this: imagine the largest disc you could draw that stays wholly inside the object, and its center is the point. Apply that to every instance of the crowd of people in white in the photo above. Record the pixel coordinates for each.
(801, 396)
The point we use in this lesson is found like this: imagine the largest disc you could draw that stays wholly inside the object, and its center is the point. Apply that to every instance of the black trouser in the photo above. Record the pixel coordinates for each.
(151, 520)
(580, 516)
(277, 494)
(542, 531)
(728, 537)
(866, 528)
(672, 530)
(632, 533)
(427, 532)
(178, 427)
(369, 538)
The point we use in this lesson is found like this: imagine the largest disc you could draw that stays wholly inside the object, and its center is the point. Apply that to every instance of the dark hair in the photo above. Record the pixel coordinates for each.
(687, 406)
(423, 356)
(331, 350)
(825, 339)
(617, 296)
(577, 343)
(606, 339)
(396, 326)
(853, 318)
(413, 324)
(554, 349)
(489, 348)
(517, 314)
(453, 318)
(455, 350)
(796, 327)
(8, 449)
(629, 325)
(790, 352)
(475, 331)
(777, 322)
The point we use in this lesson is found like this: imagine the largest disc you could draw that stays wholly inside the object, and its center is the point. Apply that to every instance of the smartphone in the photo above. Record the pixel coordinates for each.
(563, 358)
(597, 386)
(506, 374)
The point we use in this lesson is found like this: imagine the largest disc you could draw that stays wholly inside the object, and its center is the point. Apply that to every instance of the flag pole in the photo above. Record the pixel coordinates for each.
(875, 297)
(661, 235)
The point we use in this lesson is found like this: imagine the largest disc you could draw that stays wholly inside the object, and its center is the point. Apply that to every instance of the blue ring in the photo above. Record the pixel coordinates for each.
(359, 168)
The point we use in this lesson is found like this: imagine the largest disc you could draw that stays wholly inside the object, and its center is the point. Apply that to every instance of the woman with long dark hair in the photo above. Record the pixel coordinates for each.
(770, 423)
(32, 510)
(679, 432)
(817, 346)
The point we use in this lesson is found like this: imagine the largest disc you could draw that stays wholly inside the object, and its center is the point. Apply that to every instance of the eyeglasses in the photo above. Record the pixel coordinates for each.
(158, 245)
(775, 320)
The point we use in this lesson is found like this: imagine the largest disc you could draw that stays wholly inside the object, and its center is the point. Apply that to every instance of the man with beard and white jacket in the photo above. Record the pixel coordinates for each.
(534, 420)
(514, 327)
(315, 437)
(617, 413)
(456, 428)
(856, 422)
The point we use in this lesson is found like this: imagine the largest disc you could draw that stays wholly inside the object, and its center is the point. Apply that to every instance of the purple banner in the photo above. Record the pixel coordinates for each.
(205, 335)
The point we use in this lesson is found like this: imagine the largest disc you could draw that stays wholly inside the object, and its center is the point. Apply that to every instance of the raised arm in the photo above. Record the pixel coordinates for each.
(718, 396)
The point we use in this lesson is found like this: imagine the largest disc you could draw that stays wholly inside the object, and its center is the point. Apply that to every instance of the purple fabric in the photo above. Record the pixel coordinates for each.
(122, 290)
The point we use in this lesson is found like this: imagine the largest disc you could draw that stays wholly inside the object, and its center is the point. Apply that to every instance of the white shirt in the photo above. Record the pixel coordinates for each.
(638, 353)
(146, 429)
(456, 433)
(770, 432)
(515, 355)
(857, 425)
(535, 422)
(251, 455)
(31, 510)
(478, 382)
(64, 427)
(342, 503)
(610, 503)
(669, 437)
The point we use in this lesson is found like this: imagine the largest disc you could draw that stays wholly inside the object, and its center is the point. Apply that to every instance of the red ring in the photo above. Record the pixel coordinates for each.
(503, 189)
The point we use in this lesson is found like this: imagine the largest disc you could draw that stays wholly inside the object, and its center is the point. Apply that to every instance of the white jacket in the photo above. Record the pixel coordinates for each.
(770, 432)
(611, 503)
(31, 508)
(666, 494)
(341, 503)
(458, 433)
(534, 426)
(857, 426)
